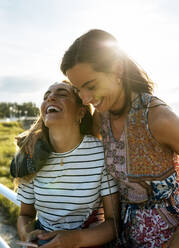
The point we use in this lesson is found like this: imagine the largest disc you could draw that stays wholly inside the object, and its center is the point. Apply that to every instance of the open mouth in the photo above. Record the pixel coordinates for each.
(52, 109)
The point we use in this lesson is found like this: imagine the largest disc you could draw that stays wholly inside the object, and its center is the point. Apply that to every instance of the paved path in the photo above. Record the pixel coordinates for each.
(7, 232)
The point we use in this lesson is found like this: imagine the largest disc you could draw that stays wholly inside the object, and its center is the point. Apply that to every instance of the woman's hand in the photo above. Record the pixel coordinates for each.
(28, 139)
(29, 142)
(61, 239)
(33, 236)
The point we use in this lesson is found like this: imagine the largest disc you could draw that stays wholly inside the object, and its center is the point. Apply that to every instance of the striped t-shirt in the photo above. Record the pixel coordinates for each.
(69, 186)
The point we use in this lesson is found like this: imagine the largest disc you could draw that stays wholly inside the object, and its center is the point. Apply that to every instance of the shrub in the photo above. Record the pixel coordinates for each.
(8, 132)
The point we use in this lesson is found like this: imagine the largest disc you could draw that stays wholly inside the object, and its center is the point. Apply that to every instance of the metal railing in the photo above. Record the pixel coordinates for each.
(10, 195)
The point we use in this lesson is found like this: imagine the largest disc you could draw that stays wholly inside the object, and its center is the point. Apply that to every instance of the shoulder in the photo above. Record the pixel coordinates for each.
(92, 149)
(161, 115)
(92, 142)
(163, 123)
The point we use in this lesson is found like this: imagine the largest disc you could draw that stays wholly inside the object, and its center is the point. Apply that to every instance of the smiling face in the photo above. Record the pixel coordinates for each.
(59, 106)
(102, 89)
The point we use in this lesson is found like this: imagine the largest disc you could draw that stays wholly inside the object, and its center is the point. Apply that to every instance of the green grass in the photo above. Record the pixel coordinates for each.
(8, 131)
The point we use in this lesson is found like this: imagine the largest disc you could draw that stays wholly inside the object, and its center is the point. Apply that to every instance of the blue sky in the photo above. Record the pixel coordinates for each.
(35, 33)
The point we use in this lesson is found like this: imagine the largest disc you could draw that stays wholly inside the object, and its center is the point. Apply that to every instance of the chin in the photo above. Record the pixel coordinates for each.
(46, 124)
(49, 123)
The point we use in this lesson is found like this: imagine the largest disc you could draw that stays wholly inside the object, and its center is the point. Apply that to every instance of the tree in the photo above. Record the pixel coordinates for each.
(8, 109)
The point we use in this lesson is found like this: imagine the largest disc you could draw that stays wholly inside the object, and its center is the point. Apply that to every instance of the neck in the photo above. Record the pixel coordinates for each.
(126, 105)
(64, 140)
(122, 105)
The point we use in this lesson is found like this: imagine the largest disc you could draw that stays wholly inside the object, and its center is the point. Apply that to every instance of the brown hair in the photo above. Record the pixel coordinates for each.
(101, 50)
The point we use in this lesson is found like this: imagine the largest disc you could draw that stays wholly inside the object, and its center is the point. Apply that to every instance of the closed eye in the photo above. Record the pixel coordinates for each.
(91, 87)
(62, 95)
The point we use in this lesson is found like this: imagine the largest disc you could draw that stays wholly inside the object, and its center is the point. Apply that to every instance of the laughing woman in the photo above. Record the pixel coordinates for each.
(71, 184)
(140, 134)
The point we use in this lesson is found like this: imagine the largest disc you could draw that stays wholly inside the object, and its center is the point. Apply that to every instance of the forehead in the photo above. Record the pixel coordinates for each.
(60, 86)
(81, 73)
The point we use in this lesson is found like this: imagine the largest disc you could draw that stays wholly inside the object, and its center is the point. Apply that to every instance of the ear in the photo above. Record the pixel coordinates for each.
(82, 112)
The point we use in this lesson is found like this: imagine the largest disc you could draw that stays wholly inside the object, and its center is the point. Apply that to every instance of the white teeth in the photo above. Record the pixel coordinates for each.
(52, 109)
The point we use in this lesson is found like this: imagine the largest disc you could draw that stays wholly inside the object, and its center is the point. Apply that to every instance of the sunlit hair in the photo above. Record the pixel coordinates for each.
(101, 50)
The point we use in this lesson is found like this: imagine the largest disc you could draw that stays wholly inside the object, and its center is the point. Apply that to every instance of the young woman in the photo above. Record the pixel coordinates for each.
(140, 135)
(70, 186)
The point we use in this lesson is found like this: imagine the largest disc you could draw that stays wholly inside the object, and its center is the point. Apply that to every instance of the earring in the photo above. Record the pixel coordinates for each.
(80, 121)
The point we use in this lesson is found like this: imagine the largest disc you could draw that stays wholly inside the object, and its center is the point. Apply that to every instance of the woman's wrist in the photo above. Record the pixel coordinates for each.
(26, 228)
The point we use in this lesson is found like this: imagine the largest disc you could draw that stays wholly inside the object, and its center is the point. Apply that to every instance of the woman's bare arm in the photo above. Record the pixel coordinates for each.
(106, 231)
(164, 126)
(26, 221)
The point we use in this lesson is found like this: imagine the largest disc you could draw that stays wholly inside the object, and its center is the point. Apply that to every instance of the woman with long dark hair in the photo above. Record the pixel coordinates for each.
(140, 134)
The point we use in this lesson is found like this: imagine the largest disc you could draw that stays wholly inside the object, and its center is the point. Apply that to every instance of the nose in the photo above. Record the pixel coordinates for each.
(86, 98)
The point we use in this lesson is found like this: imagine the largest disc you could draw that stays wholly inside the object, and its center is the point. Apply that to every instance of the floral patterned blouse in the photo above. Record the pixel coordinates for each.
(148, 220)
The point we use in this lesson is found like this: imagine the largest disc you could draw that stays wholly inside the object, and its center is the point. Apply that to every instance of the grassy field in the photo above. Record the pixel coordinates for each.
(8, 131)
